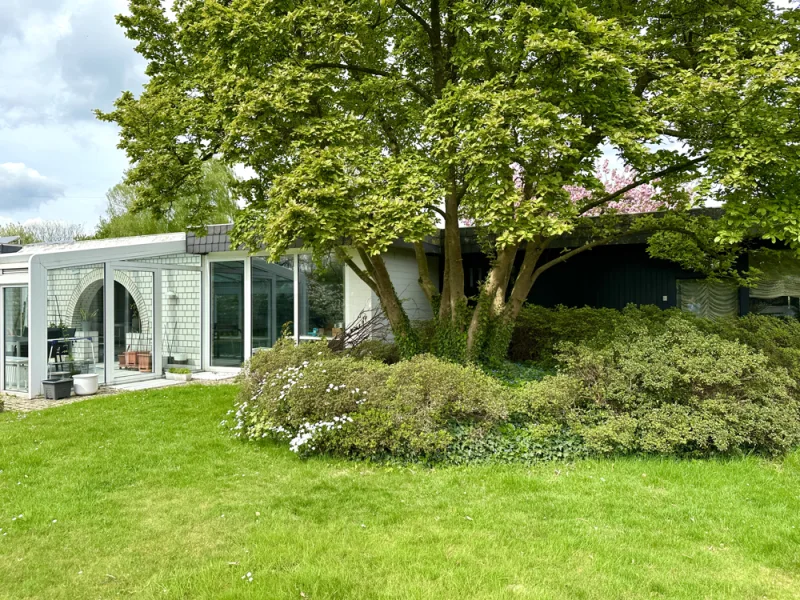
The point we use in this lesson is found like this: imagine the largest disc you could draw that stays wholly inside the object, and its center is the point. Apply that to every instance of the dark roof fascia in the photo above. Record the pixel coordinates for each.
(217, 238)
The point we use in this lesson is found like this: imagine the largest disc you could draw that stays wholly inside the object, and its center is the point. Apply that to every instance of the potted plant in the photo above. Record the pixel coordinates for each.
(86, 319)
(179, 374)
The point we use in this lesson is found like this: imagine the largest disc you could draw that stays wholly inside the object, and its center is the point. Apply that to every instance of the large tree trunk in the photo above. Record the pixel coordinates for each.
(376, 276)
(495, 315)
(453, 297)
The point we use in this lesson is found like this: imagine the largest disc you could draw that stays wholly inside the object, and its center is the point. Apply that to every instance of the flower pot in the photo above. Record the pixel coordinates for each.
(145, 363)
(130, 359)
(85, 385)
(86, 326)
(178, 376)
(57, 389)
(122, 361)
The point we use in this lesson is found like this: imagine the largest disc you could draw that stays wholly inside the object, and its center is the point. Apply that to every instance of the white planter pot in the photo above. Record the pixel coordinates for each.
(85, 385)
(178, 376)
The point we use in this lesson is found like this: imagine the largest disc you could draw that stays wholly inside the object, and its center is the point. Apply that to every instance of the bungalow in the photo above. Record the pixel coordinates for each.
(130, 308)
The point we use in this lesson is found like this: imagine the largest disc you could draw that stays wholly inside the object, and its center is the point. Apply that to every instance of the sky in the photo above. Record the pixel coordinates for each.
(59, 60)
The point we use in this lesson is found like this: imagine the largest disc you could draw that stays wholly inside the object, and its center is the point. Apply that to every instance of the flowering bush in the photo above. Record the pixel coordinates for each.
(321, 402)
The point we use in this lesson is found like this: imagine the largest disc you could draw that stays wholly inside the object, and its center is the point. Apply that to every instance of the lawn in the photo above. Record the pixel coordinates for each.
(145, 495)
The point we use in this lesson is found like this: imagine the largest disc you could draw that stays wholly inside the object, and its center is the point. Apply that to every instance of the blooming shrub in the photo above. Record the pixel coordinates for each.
(321, 402)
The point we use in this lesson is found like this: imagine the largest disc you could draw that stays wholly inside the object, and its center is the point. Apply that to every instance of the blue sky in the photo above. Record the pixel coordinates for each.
(59, 60)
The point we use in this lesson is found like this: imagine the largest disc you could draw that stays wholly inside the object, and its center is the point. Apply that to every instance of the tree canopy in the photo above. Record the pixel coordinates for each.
(368, 120)
(213, 200)
(39, 231)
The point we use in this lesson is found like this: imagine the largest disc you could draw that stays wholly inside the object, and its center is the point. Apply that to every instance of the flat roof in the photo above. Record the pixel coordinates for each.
(91, 251)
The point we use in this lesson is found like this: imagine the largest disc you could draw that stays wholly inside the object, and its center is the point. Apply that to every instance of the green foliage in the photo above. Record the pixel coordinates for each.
(513, 443)
(778, 339)
(362, 122)
(362, 408)
(680, 391)
(656, 382)
(516, 374)
(180, 371)
(538, 330)
(385, 352)
(213, 200)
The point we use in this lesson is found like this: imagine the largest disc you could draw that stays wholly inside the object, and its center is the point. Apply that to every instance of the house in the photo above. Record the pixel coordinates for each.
(130, 308)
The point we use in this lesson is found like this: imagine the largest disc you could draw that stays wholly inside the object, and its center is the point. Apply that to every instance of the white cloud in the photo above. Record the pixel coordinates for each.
(59, 60)
(23, 188)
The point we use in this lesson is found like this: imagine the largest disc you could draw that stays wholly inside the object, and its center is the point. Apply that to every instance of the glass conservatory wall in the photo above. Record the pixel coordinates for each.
(15, 338)
(272, 297)
(321, 297)
(75, 318)
(180, 320)
(134, 323)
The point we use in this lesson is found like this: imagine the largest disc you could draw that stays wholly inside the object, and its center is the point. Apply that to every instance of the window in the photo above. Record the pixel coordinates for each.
(708, 298)
(227, 313)
(321, 297)
(273, 300)
(15, 338)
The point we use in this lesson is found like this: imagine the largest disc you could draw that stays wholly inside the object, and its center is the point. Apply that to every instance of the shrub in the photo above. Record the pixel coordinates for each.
(778, 339)
(682, 391)
(538, 330)
(338, 404)
(385, 352)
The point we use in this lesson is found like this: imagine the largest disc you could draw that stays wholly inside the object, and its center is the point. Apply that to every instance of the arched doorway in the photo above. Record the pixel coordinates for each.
(127, 315)
(132, 315)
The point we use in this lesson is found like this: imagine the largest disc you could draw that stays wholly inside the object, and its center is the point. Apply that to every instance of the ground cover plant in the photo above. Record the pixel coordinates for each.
(144, 495)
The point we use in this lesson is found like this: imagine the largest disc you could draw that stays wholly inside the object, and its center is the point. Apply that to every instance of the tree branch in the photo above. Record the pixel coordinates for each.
(370, 71)
(622, 191)
(414, 15)
(567, 255)
(357, 270)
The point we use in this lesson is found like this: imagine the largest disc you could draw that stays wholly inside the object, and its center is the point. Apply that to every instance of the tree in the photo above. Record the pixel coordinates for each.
(213, 201)
(369, 120)
(37, 231)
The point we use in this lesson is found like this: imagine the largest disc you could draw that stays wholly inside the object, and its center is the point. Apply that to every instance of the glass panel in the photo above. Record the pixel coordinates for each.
(15, 317)
(227, 313)
(133, 324)
(273, 300)
(75, 317)
(180, 318)
(321, 297)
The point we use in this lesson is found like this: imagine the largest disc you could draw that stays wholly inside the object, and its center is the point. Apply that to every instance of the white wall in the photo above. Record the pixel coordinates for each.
(402, 266)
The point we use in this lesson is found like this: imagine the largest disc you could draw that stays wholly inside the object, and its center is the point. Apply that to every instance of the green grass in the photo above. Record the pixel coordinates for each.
(124, 496)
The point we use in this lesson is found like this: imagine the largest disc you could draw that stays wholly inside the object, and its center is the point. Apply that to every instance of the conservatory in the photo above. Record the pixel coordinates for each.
(128, 309)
